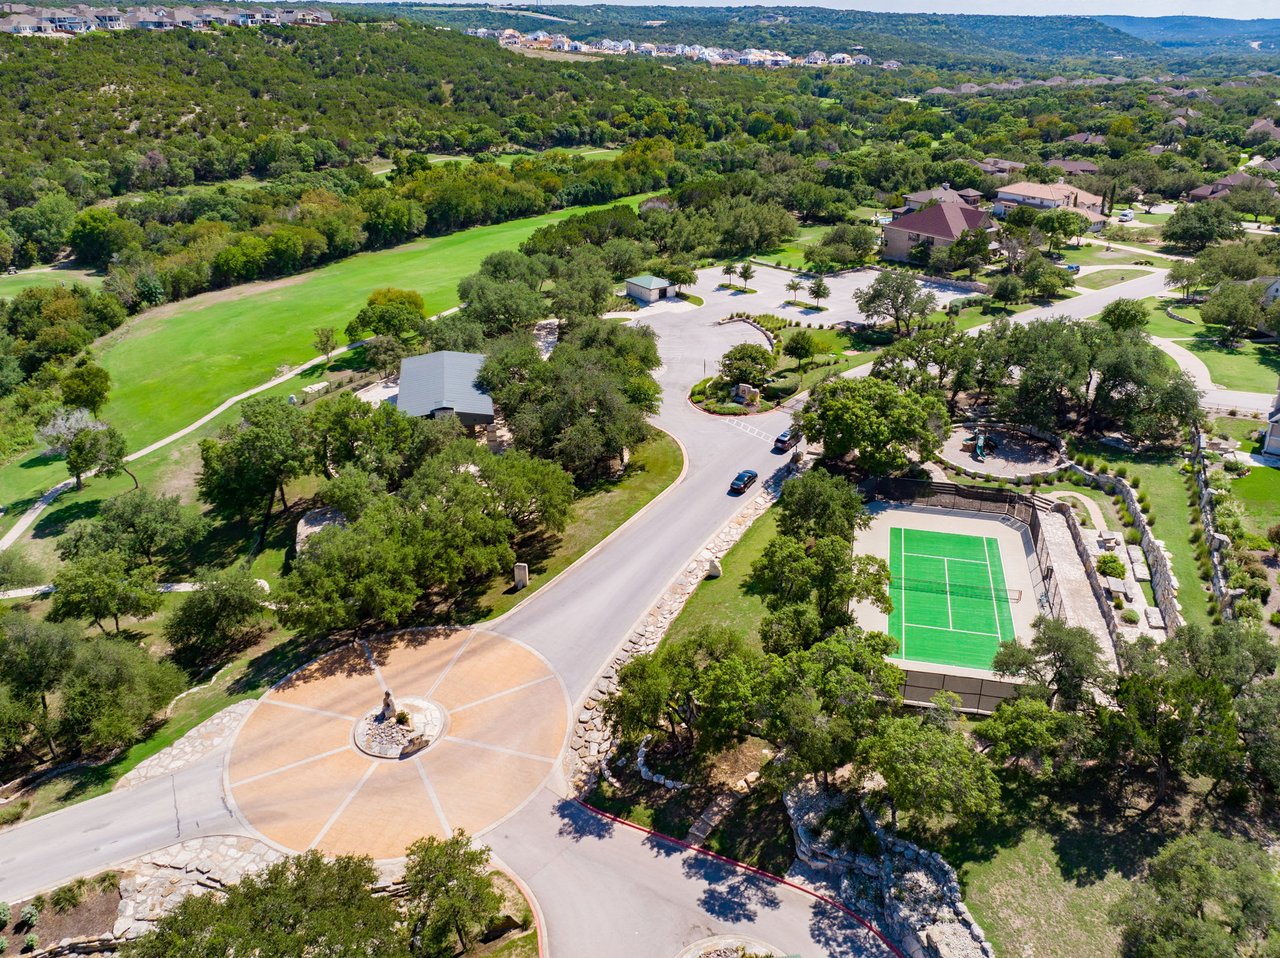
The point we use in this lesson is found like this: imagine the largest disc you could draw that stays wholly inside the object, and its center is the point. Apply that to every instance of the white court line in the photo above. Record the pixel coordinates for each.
(946, 577)
(938, 628)
(927, 555)
(995, 608)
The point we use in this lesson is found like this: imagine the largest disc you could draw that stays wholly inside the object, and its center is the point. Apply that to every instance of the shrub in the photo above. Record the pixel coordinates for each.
(1133, 537)
(5, 913)
(1275, 619)
(1134, 482)
(67, 897)
(31, 942)
(29, 915)
(1121, 472)
(1248, 609)
(1109, 564)
(1117, 602)
(4, 945)
(9, 815)
(1130, 616)
(1235, 467)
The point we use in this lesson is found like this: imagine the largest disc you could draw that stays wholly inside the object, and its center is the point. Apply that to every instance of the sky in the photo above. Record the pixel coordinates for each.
(1235, 9)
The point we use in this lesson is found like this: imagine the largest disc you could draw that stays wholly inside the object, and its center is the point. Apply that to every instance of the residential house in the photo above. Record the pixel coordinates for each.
(1266, 127)
(815, 59)
(941, 194)
(891, 65)
(840, 59)
(1075, 167)
(1221, 188)
(936, 226)
(443, 384)
(1271, 441)
(1050, 196)
(1088, 139)
(22, 24)
(994, 166)
(108, 18)
(861, 60)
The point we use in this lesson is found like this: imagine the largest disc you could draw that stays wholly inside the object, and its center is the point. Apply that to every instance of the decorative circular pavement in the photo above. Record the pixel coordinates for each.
(296, 776)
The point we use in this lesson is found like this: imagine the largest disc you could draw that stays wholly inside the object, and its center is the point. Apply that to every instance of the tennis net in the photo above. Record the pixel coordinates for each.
(910, 584)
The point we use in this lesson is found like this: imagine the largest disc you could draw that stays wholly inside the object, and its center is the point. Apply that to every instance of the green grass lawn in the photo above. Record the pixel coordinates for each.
(725, 601)
(173, 364)
(10, 286)
(1248, 366)
(791, 255)
(1094, 253)
(1109, 277)
(1259, 493)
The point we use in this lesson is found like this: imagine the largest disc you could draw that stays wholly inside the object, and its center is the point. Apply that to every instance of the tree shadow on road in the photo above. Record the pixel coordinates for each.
(577, 821)
(731, 893)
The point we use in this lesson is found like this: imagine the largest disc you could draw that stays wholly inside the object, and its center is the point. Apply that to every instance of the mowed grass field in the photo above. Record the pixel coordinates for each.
(10, 286)
(171, 365)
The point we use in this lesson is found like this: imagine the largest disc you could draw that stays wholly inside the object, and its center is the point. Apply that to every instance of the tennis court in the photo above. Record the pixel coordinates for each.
(950, 602)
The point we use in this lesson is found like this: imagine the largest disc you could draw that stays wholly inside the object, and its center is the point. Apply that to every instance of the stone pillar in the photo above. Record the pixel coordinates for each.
(522, 575)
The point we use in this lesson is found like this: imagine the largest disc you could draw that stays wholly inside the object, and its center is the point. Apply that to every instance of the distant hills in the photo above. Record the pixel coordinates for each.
(1210, 32)
(954, 41)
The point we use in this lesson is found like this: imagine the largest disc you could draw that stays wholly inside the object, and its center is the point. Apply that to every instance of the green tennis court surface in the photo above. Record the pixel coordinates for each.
(950, 602)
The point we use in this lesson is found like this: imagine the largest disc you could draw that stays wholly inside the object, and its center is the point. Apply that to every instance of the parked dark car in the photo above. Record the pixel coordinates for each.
(743, 481)
(788, 439)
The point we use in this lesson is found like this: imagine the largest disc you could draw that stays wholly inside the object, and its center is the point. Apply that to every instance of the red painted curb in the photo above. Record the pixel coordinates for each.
(749, 868)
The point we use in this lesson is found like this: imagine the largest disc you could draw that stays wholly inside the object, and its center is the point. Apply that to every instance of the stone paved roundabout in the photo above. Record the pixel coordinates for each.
(297, 777)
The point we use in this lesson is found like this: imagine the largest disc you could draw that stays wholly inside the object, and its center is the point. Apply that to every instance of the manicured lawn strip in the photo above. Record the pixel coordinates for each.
(1094, 253)
(1108, 277)
(24, 481)
(1259, 493)
(1247, 366)
(174, 364)
(653, 467)
(10, 286)
(1160, 478)
(725, 601)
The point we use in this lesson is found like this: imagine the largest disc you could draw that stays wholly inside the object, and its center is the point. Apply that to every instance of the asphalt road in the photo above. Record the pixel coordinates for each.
(114, 828)
(577, 620)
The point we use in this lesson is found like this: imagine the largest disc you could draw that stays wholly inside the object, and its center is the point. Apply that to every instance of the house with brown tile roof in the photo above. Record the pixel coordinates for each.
(938, 226)
(1221, 188)
(1075, 167)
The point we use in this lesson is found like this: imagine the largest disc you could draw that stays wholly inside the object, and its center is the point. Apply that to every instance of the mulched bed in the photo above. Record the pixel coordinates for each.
(95, 915)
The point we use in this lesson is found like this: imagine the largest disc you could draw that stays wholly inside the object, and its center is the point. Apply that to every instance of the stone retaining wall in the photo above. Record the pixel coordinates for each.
(1090, 569)
(1164, 584)
(1218, 581)
(913, 893)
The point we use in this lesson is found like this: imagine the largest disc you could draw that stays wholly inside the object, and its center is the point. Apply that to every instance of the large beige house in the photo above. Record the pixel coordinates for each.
(1050, 196)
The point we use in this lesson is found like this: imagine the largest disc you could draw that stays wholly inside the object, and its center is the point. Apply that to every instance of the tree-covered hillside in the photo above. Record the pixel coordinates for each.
(936, 40)
(216, 105)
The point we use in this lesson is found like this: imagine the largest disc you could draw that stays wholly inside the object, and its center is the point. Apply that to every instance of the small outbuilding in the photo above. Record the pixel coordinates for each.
(650, 289)
(444, 384)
